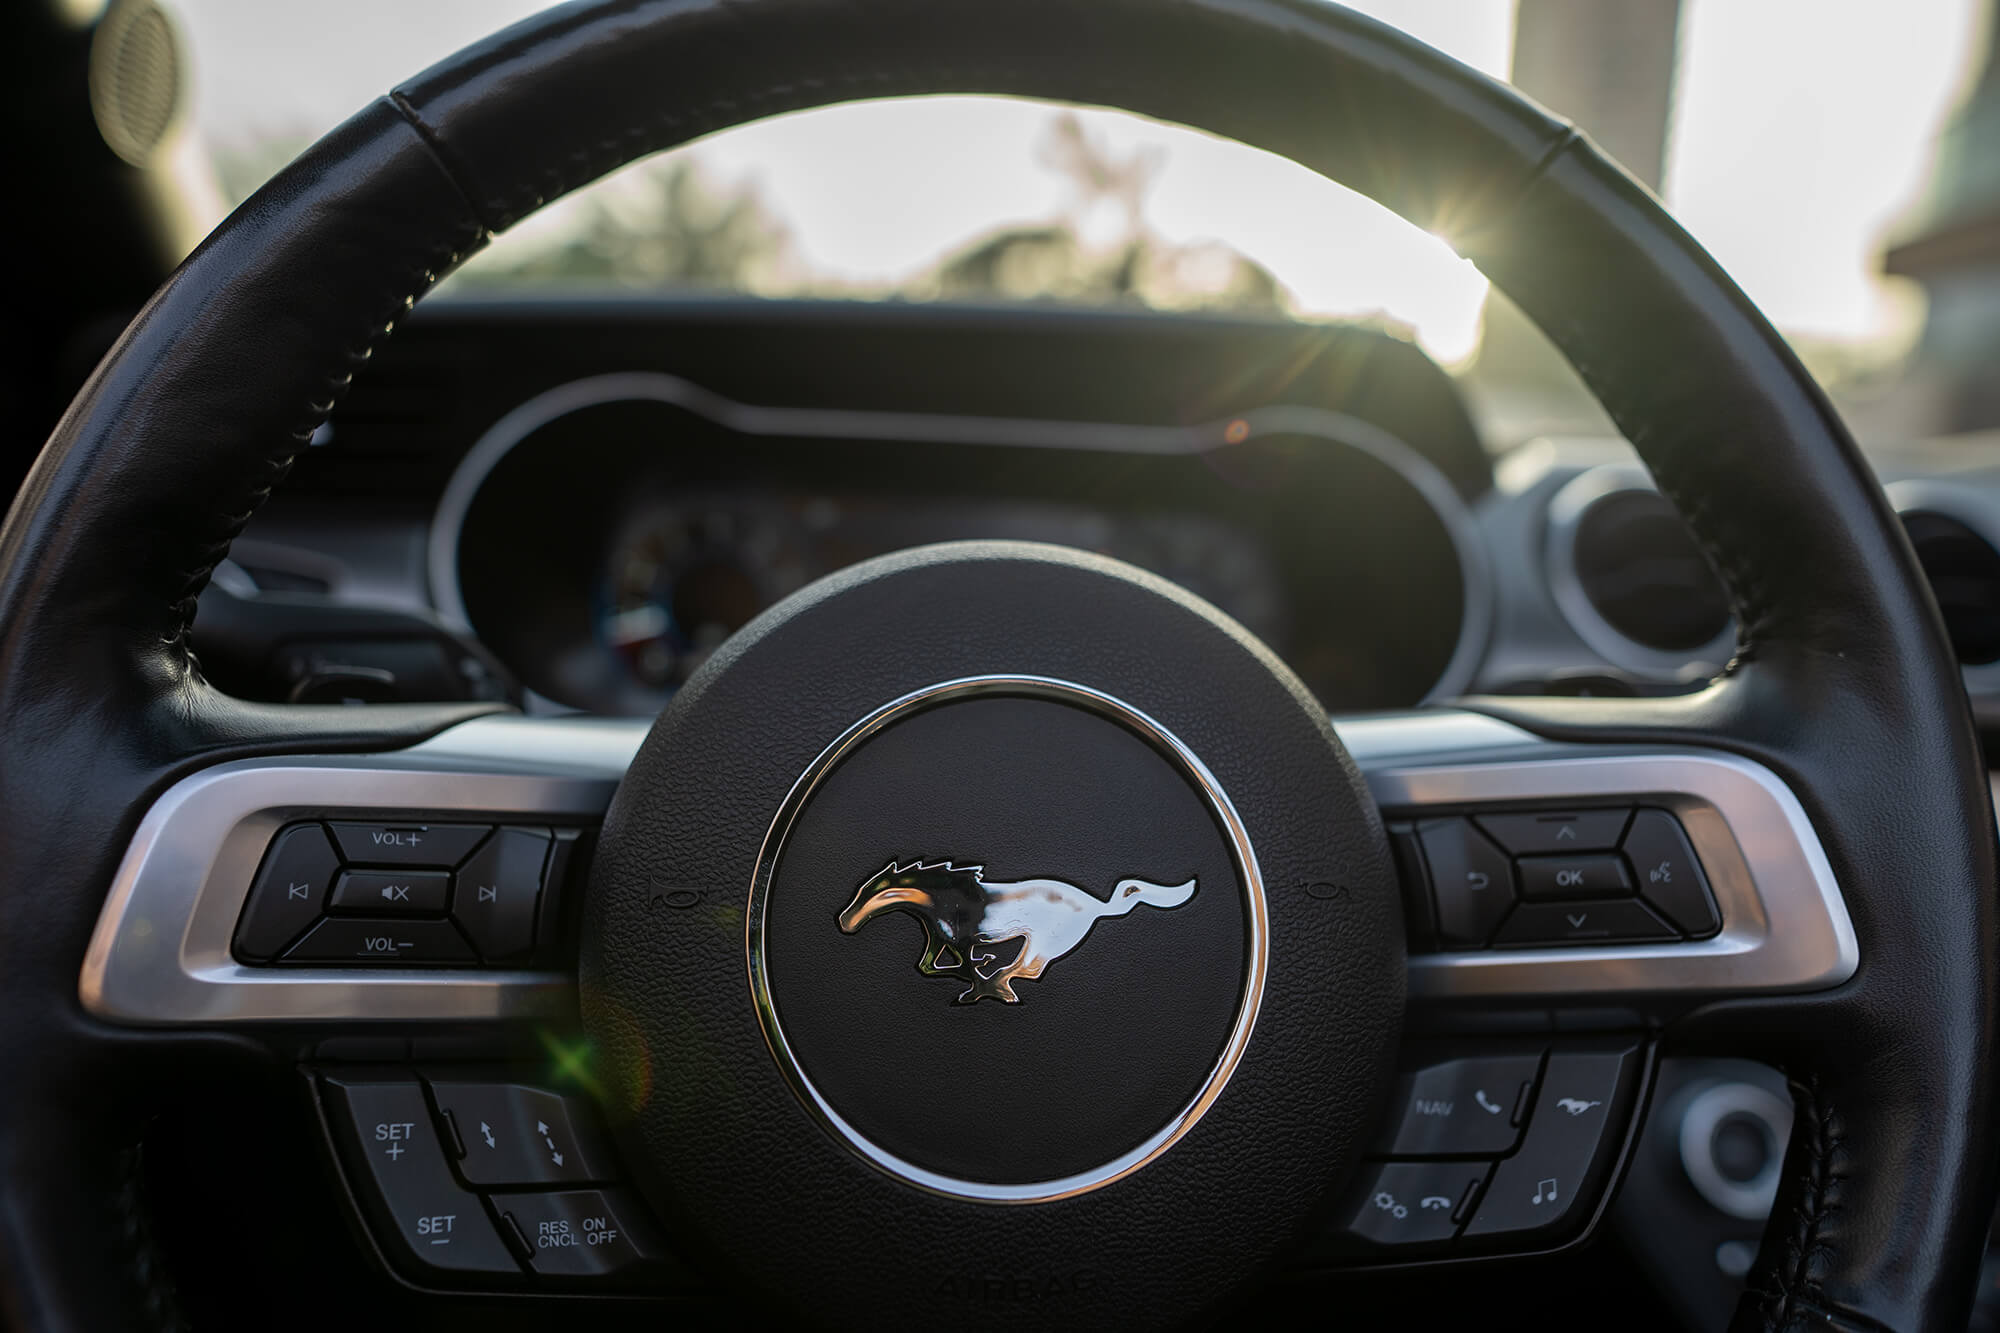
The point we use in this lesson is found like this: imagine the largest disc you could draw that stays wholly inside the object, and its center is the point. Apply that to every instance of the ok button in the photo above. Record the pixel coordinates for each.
(1560, 877)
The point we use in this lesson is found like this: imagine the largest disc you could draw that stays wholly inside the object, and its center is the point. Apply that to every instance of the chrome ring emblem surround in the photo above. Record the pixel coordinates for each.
(1256, 928)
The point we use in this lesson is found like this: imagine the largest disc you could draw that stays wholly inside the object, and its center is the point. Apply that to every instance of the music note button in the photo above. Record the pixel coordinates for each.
(1551, 1183)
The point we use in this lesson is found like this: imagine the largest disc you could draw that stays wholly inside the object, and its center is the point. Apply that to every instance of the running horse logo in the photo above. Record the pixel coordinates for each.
(964, 917)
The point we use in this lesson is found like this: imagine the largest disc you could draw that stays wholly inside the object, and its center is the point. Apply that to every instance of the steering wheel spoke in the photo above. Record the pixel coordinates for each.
(1569, 904)
(1548, 874)
(434, 883)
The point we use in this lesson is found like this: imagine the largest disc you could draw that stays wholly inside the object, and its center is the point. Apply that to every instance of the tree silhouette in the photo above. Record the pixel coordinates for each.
(671, 226)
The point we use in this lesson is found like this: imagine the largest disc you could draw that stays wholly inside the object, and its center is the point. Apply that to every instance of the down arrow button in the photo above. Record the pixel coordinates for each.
(495, 893)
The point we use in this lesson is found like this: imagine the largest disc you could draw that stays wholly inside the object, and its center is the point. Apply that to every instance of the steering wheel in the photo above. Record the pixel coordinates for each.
(1132, 1116)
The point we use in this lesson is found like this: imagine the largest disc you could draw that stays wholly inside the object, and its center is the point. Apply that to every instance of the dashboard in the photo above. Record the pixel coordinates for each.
(571, 503)
(583, 500)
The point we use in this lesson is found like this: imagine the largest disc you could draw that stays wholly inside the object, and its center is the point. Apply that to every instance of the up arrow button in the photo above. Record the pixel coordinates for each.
(1534, 831)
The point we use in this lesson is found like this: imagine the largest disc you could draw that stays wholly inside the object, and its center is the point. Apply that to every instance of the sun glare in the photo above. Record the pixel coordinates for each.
(1801, 133)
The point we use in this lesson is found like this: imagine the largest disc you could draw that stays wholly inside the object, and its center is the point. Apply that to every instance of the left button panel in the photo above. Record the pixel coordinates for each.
(431, 1222)
(288, 893)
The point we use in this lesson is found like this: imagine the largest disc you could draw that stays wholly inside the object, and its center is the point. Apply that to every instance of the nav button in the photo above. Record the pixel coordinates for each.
(1465, 1107)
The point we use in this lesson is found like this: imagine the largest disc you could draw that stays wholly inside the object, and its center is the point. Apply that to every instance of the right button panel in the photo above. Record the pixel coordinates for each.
(1534, 879)
(1555, 1178)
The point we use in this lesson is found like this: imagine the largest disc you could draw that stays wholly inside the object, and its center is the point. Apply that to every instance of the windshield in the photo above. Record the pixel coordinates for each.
(1798, 141)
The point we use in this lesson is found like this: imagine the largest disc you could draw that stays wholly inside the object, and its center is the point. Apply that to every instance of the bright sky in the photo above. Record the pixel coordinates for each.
(1801, 133)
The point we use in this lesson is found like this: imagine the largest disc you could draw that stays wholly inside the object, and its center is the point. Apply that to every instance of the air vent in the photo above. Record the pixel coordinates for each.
(1964, 572)
(1630, 580)
(1642, 572)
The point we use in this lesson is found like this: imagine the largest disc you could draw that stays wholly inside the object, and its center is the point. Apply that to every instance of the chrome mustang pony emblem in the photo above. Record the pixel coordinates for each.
(963, 917)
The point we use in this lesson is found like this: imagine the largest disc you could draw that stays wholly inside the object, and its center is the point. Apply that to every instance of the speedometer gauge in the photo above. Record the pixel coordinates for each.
(684, 578)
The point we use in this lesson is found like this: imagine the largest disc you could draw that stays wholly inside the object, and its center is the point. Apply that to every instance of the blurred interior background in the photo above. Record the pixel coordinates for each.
(1840, 158)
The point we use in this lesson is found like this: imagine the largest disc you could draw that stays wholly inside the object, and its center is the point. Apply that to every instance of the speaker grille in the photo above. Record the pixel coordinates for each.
(135, 79)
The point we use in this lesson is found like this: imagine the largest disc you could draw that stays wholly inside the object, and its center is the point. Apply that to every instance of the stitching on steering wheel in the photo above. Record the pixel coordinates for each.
(1745, 593)
(158, 1298)
(503, 210)
(1789, 1295)
(438, 259)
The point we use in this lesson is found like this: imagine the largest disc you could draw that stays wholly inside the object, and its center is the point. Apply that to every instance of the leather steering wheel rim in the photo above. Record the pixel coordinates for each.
(1843, 683)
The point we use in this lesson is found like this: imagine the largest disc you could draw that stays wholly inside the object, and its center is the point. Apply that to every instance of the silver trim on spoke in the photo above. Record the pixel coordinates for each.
(1784, 924)
(160, 952)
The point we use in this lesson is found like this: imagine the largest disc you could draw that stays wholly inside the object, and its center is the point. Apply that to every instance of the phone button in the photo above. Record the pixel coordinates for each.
(1460, 1108)
(1414, 1203)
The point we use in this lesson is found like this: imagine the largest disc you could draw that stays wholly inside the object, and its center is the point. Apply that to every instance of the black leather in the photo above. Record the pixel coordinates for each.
(177, 438)
(732, 1155)
(1846, 685)
(1843, 682)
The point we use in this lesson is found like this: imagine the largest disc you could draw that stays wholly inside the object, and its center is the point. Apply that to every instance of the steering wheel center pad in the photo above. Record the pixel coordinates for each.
(1213, 1042)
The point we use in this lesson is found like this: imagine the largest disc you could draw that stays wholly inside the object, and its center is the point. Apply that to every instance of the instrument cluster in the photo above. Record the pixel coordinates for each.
(603, 541)
(689, 570)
